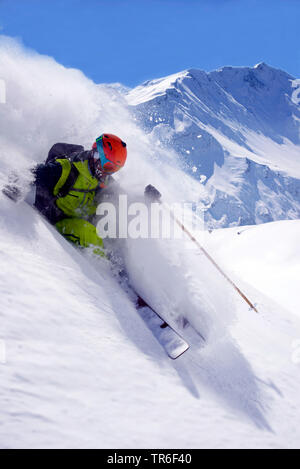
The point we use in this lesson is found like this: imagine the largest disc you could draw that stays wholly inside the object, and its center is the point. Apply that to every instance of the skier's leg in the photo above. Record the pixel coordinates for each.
(81, 232)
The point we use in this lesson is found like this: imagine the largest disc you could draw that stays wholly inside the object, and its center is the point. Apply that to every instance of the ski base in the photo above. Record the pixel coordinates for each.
(173, 344)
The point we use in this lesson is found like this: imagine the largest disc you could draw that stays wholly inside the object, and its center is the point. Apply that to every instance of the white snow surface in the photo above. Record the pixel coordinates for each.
(80, 368)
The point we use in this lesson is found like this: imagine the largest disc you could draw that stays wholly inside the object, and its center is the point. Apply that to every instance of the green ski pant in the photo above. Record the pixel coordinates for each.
(81, 232)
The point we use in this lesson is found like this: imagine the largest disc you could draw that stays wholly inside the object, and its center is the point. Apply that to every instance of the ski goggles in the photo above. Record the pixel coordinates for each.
(107, 165)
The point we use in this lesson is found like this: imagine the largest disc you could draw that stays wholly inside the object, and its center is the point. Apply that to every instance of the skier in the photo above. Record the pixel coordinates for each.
(68, 188)
(68, 185)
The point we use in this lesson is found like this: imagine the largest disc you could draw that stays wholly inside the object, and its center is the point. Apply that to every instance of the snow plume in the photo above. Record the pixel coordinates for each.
(47, 103)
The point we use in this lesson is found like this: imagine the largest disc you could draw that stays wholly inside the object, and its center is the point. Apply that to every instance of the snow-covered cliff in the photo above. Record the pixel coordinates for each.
(238, 133)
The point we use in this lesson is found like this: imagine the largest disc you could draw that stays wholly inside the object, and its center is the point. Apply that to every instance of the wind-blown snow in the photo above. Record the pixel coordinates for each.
(82, 370)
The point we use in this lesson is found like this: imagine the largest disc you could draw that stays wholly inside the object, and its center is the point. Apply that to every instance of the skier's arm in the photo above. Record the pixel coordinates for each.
(47, 175)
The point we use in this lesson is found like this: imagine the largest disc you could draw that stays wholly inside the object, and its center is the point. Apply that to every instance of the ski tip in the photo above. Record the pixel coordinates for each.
(176, 353)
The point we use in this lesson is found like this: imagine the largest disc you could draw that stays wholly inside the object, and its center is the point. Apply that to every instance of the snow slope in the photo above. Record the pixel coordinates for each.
(237, 131)
(81, 369)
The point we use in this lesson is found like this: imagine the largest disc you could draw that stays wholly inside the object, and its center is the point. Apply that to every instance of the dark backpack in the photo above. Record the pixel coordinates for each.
(63, 150)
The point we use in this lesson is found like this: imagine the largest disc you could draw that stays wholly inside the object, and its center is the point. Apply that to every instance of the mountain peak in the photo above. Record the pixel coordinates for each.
(152, 89)
(257, 77)
(261, 66)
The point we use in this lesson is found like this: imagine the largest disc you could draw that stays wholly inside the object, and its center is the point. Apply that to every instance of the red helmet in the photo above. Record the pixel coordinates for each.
(112, 152)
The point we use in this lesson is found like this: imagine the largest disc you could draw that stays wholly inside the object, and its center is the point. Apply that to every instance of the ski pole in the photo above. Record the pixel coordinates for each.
(155, 196)
(185, 230)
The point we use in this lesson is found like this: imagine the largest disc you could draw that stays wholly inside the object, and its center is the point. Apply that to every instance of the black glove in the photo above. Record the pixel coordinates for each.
(152, 194)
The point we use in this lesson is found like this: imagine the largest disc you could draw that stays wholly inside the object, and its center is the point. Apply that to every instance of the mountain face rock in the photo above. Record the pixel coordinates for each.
(237, 130)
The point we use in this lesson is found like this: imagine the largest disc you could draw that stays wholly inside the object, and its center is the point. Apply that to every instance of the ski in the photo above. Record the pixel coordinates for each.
(172, 342)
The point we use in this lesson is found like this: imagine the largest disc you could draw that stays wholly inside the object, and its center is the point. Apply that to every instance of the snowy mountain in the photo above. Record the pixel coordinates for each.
(238, 133)
(79, 368)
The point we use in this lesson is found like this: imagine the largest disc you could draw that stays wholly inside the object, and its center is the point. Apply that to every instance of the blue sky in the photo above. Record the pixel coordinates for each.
(130, 41)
